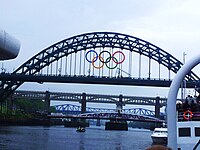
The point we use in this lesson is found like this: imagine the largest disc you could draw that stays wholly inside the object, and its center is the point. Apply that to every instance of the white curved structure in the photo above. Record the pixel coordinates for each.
(9, 46)
(171, 101)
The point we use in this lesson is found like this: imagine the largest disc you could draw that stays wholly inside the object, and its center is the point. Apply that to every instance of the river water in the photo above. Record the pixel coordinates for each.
(60, 138)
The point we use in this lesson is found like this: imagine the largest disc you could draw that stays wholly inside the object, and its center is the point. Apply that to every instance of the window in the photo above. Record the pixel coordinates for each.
(197, 131)
(184, 132)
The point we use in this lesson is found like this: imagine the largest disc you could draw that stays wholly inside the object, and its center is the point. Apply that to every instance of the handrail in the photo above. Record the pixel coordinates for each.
(195, 147)
(195, 116)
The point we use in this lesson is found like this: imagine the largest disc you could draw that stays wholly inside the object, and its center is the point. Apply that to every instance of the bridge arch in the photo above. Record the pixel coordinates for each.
(96, 40)
(89, 41)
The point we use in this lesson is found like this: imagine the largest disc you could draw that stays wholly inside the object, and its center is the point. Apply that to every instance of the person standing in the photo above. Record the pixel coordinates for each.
(158, 147)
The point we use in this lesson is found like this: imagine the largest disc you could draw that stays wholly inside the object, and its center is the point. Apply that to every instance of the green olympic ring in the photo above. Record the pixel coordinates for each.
(113, 58)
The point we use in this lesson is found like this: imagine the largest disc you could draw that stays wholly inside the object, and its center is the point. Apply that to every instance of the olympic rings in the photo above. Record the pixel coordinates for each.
(187, 115)
(105, 61)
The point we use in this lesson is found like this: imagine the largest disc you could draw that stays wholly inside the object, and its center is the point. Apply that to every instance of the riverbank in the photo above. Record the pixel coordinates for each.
(24, 119)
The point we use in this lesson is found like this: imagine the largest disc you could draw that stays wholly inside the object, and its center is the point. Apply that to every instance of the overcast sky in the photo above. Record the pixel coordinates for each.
(173, 25)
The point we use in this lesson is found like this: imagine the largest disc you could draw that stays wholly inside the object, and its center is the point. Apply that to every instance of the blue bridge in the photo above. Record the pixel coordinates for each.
(135, 114)
(76, 110)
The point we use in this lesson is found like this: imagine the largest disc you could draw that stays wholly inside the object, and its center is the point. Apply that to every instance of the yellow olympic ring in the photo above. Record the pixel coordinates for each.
(100, 58)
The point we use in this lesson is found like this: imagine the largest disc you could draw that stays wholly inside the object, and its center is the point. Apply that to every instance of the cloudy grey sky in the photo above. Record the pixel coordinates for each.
(172, 25)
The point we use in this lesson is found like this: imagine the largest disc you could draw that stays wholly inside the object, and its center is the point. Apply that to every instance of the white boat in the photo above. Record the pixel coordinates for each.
(159, 136)
(188, 132)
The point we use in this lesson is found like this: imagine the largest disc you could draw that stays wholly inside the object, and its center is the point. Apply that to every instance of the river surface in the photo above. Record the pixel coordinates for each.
(60, 138)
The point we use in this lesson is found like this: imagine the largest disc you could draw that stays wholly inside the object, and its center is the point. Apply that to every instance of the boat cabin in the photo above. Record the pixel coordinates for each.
(188, 125)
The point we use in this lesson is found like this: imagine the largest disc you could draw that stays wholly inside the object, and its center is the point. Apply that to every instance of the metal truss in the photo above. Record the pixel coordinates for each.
(122, 116)
(94, 98)
(91, 41)
(74, 109)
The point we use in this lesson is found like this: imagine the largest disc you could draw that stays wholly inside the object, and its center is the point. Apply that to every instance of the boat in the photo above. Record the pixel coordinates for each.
(80, 129)
(188, 130)
(159, 136)
(188, 124)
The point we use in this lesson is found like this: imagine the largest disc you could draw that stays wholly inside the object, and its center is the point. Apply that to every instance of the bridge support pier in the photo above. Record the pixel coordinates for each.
(83, 107)
(98, 122)
(83, 103)
(47, 101)
(120, 104)
(157, 107)
(10, 105)
(3, 106)
(116, 125)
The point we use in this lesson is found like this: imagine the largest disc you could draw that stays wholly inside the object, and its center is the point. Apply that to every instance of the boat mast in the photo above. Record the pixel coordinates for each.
(183, 84)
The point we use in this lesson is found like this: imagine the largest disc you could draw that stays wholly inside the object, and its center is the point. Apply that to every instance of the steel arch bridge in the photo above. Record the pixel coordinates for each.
(74, 109)
(98, 57)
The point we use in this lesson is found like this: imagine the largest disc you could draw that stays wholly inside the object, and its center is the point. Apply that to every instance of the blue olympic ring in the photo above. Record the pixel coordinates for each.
(96, 57)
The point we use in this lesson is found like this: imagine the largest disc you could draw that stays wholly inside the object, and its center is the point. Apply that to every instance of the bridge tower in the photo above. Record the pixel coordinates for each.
(120, 104)
(10, 104)
(157, 107)
(98, 122)
(47, 101)
(83, 103)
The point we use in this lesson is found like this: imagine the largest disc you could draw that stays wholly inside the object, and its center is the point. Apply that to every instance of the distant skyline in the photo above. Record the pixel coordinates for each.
(171, 25)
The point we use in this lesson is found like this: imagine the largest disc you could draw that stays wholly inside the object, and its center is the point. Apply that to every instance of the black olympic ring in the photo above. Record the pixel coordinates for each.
(108, 59)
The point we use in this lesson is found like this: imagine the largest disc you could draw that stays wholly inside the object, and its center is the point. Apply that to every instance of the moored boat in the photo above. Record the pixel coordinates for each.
(159, 136)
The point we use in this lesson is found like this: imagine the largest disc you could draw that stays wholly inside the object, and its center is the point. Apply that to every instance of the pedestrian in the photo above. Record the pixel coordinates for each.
(158, 147)
(186, 106)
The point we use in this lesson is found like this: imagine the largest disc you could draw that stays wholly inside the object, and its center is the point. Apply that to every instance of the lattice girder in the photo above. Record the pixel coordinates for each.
(92, 41)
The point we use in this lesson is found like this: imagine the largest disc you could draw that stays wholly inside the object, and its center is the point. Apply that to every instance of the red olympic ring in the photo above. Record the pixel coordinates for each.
(122, 55)
(187, 115)
(100, 58)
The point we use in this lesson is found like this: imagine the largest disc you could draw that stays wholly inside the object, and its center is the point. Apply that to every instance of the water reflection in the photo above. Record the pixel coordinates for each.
(119, 136)
(118, 147)
(54, 138)
(82, 141)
